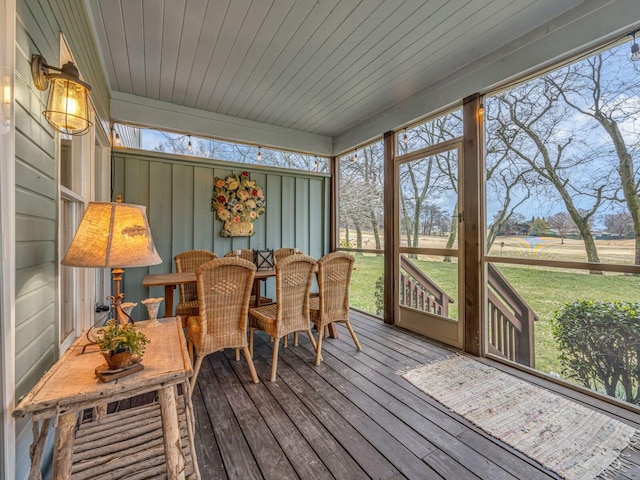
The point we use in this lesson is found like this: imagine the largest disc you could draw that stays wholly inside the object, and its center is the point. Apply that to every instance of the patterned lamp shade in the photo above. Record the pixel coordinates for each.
(113, 235)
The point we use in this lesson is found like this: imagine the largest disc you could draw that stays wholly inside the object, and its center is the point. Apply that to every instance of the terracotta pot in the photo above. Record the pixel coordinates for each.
(117, 360)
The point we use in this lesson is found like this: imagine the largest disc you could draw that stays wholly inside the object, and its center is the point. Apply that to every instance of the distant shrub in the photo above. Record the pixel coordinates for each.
(600, 346)
(379, 296)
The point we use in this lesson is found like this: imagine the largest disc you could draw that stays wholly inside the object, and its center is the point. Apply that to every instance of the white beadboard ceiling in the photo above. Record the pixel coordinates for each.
(321, 67)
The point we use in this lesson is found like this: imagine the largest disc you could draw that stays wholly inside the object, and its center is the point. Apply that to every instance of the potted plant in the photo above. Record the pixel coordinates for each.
(121, 345)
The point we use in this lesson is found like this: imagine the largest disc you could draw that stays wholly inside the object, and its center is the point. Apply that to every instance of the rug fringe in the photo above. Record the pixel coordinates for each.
(622, 464)
(408, 369)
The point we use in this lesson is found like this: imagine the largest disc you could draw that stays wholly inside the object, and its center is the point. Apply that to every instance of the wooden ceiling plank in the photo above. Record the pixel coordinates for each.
(111, 13)
(172, 26)
(307, 43)
(378, 35)
(446, 57)
(132, 17)
(283, 36)
(364, 84)
(214, 17)
(194, 26)
(248, 35)
(152, 22)
(447, 60)
(264, 37)
(224, 44)
(309, 23)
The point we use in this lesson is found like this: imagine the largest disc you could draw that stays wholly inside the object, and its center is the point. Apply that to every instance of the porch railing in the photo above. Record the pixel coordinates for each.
(420, 292)
(511, 327)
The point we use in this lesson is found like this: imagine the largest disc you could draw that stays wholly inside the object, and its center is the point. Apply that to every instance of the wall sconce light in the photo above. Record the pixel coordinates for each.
(5, 107)
(68, 107)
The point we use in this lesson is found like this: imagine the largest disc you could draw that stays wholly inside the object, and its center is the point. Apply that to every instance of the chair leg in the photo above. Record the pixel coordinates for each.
(251, 342)
(196, 370)
(237, 354)
(295, 339)
(274, 359)
(353, 335)
(319, 347)
(285, 341)
(311, 339)
(252, 368)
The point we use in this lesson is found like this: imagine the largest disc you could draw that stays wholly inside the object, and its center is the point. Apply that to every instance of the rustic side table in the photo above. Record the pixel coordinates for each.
(157, 437)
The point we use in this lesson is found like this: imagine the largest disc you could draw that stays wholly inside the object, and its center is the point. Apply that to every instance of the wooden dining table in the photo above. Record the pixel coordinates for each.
(170, 280)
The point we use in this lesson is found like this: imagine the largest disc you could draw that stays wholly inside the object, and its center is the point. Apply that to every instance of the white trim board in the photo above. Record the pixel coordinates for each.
(7, 250)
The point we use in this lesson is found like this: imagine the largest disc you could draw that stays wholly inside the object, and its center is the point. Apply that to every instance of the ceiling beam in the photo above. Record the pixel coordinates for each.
(152, 113)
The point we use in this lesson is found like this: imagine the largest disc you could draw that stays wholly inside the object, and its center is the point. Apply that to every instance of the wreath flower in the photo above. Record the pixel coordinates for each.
(237, 201)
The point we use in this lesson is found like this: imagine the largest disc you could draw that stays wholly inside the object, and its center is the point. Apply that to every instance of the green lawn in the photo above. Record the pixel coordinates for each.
(545, 290)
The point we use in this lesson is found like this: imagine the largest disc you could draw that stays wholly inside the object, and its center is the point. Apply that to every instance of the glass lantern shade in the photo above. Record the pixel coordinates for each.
(68, 110)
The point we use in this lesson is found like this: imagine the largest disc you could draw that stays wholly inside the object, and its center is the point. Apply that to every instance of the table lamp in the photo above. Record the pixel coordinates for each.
(115, 235)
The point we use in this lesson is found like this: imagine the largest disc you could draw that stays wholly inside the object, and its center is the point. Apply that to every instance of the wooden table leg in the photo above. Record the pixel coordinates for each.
(168, 300)
(333, 331)
(64, 446)
(171, 428)
(37, 447)
(257, 291)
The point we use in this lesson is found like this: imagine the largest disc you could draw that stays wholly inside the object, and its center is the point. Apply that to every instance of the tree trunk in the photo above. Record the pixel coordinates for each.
(376, 232)
(626, 177)
(453, 233)
(358, 236)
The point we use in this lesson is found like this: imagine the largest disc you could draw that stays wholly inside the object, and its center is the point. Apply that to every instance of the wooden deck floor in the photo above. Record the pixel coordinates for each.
(352, 417)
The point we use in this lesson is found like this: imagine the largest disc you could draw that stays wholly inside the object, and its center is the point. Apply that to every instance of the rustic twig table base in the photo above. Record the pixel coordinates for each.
(150, 441)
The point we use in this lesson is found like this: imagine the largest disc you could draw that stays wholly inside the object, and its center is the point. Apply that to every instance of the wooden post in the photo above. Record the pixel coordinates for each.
(172, 445)
(334, 228)
(472, 223)
(390, 248)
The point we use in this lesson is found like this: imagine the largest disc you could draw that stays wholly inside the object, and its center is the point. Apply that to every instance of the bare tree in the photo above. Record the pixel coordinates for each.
(619, 223)
(602, 87)
(561, 222)
(432, 177)
(361, 192)
(535, 111)
(509, 183)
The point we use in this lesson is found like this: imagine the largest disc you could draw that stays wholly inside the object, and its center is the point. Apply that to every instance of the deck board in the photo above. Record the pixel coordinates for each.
(352, 417)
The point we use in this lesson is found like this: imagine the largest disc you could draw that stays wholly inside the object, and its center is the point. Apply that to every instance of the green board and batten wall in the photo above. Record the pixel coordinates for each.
(177, 193)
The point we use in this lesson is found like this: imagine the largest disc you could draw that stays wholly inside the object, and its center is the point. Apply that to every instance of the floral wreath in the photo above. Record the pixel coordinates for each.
(238, 202)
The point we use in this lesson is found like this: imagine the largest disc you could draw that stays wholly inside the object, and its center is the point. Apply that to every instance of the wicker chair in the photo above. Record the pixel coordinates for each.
(332, 303)
(188, 262)
(290, 313)
(247, 254)
(224, 289)
(281, 253)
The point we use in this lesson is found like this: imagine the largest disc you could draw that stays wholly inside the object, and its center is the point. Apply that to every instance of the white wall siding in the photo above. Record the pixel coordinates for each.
(38, 27)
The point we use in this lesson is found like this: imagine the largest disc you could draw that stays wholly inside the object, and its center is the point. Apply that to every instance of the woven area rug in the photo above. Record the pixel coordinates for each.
(573, 441)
